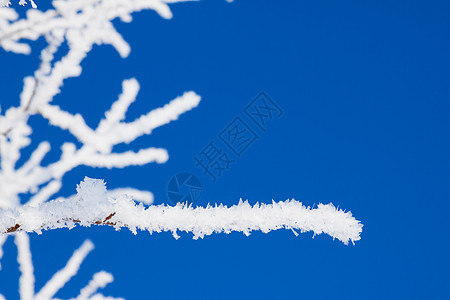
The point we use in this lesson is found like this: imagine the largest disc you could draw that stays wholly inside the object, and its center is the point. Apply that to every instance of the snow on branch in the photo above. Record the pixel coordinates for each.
(61, 277)
(99, 280)
(2, 241)
(26, 282)
(93, 14)
(91, 206)
(95, 152)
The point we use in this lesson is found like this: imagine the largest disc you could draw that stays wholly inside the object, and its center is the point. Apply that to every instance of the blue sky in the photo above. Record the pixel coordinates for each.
(364, 88)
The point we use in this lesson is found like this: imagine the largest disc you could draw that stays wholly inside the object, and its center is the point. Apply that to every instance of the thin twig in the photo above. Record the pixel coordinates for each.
(17, 227)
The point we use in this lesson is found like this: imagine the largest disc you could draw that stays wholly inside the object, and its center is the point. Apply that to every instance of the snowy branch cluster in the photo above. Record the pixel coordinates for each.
(60, 278)
(81, 24)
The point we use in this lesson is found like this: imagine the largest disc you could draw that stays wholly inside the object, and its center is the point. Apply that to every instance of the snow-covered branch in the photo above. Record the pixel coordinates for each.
(95, 152)
(26, 282)
(98, 281)
(61, 277)
(92, 206)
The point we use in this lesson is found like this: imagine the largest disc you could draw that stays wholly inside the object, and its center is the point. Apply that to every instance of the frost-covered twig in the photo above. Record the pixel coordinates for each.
(26, 282)
(63, 276)
(91, 206)
(2, 241)
(99, 280)
(60, 278)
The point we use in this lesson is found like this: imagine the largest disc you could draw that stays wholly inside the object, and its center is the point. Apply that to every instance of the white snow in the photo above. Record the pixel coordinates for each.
(91, 205)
